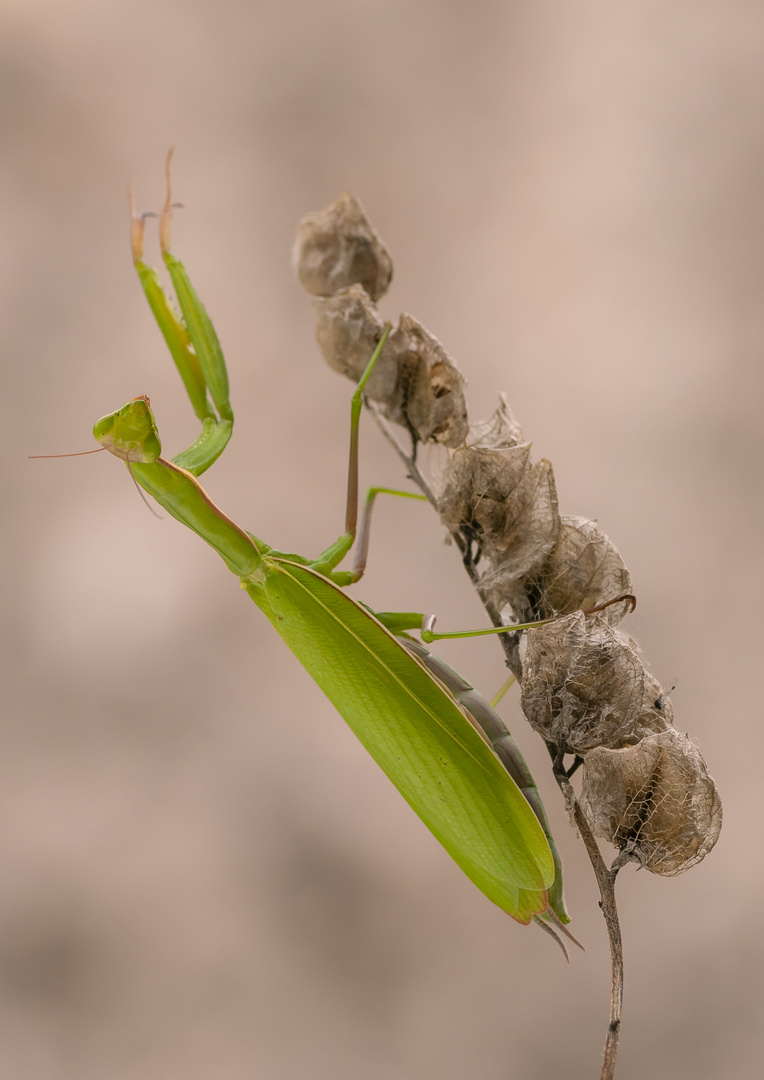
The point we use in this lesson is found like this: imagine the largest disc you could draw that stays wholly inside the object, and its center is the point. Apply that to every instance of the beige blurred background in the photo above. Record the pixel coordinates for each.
(203, 875)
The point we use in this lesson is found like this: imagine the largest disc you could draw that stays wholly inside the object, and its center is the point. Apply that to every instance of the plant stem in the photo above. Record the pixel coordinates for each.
(606, 884)
(605, 877)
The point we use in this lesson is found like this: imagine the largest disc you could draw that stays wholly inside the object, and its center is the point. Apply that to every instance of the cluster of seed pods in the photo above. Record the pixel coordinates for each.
(584, 686)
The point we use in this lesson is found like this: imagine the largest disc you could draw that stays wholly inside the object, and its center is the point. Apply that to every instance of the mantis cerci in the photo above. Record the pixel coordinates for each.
(439, 742)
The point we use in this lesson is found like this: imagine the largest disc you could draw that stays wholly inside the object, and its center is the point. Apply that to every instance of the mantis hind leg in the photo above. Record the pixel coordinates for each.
(329, 559)
(362, 545)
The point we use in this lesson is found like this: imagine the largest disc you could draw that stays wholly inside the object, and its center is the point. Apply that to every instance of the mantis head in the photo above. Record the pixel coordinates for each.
(130, 433)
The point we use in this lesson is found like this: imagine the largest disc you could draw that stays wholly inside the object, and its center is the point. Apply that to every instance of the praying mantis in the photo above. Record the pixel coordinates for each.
(439, 742)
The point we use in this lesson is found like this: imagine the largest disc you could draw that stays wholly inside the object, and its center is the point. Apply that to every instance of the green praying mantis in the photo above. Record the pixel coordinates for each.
(439, 742)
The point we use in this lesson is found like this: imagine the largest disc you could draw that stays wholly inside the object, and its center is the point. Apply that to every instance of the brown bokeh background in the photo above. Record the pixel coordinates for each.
(203, 875)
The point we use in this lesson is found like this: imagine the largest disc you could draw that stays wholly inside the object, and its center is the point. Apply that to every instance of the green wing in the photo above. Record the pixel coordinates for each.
(415, 732)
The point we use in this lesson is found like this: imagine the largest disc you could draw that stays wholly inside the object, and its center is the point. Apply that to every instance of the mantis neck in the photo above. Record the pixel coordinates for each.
(183, 496)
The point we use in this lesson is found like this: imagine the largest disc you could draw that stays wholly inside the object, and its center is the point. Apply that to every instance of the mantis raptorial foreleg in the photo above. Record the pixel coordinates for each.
(192, 341)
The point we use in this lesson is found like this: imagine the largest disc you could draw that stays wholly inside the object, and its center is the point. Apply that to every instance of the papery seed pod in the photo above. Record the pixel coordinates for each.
(477, 483)
(348, 330)
(499, 432)
(505, 505)
(584, 686)
(655, 801)
(337, 247)
(656, 704)
(533, 525)
(415, 382)
(431, 384)
(584, 569)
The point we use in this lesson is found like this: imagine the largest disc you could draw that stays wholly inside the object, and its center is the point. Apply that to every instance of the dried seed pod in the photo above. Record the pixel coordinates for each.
(584, 569)
(337, 247)
(584, 686)
(532, 528)
(656, 704)
(506, 505)
(500, 432)
(655, 801)
(476, 485)
(348, 330)
(431, 385)
(415, 382)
